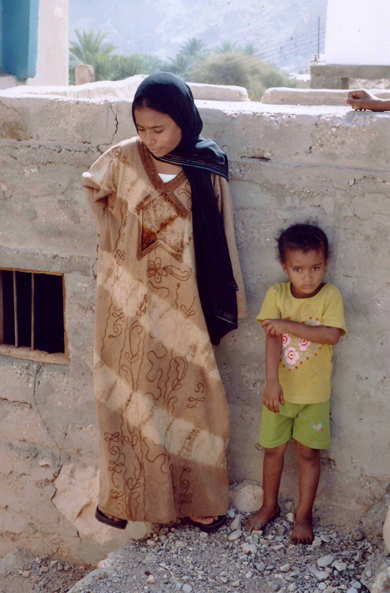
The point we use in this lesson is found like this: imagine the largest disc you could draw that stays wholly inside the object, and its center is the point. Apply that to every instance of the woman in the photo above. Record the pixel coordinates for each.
(166, 291)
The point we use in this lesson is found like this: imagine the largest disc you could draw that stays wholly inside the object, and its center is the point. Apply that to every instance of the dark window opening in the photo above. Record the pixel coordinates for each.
(32, 311)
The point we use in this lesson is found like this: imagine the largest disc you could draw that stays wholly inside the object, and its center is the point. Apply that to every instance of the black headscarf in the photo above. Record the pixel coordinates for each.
(199, 157)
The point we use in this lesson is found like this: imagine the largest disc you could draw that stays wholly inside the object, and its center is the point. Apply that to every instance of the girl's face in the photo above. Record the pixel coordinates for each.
(157, 131)
(305, 271)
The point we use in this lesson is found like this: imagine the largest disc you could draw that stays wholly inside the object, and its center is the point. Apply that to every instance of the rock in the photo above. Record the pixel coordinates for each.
(249, 548)
(235, 535)
(186, 588)
(179, 545)
(151, 579)
(25, 573)
(275, 587)
(290, 517)
(317, 542)
(236, 523)
(236, 584)
(45, 462)
(257, 532)
(76, 497)
(321, 575)
(357, 585)
(289, 505)
(325, 538)
(291, 587)
(339, 566)
(224, 580)
(382, 582)
(151, 543)
(164, 531)
(386, 531)
(325, 561)
(358, 557)
(352, 590)
(44, 569)
(60, 566)
(260, 566)
(248, 575)
(231, 513)
(285, 568)
(358, 535)
(247, 497)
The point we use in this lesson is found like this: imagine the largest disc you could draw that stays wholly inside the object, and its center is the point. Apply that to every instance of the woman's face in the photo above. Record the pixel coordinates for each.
(157, 131)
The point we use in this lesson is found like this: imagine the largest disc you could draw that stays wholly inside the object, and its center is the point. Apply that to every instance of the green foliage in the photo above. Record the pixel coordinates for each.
(90, 47)
(239, 69)
(227, 47)
(227, 64)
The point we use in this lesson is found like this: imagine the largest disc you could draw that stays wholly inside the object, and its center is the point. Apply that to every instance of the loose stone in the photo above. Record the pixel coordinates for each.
(236, 584)
(236, 523)
(290, 517)
(151, 579)
(235, 535)
(325, 561)
(249, 548)
(339, 566)
(285, 568)
(358, 535)
(186, 588)
(260, 566)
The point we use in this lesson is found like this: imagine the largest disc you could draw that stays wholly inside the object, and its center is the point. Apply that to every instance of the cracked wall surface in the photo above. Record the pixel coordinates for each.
(326, 164)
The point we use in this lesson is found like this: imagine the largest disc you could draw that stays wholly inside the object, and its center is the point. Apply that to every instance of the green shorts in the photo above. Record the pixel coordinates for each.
(309, 424)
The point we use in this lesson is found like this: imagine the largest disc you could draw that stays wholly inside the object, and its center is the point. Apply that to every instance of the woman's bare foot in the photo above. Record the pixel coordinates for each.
(303, 531)
(260, 519)
(204, 520)
(112, 518)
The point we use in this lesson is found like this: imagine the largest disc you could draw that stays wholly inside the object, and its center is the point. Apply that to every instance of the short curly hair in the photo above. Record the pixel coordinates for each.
(302, 237)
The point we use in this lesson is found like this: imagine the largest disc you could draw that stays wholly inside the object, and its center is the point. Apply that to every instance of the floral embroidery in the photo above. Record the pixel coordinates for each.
(319, 427)
(286, 339)
(156, 270)
(291, 355)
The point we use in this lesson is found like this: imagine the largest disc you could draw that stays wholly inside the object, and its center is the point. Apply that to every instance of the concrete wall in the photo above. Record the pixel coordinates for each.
(53, 44)
(358, 32)
(287, 164)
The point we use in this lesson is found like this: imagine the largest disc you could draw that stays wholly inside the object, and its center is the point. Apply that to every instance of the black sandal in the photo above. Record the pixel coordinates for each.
(100, 516)
(214, 526)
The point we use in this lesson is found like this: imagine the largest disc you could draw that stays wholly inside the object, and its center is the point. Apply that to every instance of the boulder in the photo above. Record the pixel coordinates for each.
(247, 497)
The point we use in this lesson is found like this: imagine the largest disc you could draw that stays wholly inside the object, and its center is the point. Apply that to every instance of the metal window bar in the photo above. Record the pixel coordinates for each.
(15, 309)
(32, 309)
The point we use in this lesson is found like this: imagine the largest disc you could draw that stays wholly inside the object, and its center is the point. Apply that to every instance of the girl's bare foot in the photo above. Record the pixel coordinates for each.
(204, 520)
(260, 519)
(303, 531)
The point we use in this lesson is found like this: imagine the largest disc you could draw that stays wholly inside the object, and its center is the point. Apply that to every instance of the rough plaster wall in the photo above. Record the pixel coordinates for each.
(287, 164)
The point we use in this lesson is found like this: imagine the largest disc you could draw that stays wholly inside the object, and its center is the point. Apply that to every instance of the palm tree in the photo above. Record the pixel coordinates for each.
(90, 47)
(180, 65)
(228, 46)
(250, 49)
(194, 48)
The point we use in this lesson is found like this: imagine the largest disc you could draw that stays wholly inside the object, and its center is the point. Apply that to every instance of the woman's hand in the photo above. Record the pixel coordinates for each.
(273, 396)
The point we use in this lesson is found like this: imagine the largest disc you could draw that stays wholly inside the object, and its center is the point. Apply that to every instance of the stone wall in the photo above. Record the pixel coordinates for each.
(288, 164)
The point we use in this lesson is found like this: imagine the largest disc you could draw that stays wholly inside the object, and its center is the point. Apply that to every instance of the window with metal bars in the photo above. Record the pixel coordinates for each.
(32, 315)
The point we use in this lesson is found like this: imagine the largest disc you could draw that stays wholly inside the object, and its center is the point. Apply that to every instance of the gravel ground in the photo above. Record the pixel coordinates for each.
(25, 572)
(185, 559)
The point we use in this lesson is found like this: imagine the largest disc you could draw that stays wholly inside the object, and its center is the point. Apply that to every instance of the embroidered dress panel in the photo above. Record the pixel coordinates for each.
(305, 367)
(162, 410)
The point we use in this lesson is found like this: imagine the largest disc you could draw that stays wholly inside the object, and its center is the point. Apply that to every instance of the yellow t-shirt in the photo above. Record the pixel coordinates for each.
(305, 367)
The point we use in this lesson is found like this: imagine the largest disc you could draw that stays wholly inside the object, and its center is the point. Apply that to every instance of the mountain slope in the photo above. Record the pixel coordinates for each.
(160, 27)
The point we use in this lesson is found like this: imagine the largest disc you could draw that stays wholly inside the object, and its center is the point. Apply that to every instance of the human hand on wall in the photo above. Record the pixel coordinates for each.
(362, 100)
(273, 396)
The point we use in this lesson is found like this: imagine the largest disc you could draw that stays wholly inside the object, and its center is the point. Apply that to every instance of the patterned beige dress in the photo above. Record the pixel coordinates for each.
(161, 406)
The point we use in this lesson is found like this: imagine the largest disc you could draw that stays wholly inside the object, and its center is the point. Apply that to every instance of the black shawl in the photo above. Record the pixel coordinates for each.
(199, 157)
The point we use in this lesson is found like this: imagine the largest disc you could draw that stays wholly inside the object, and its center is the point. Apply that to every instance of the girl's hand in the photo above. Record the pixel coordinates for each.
(362, 100)
(273, 396)
(275, 327)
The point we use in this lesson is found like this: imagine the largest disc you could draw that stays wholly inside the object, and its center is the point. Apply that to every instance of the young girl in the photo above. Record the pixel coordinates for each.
(166, 291)
(303, 319)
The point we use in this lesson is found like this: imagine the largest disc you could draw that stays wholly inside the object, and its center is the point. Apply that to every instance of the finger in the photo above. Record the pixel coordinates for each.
(266, 322)
(281, 398)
